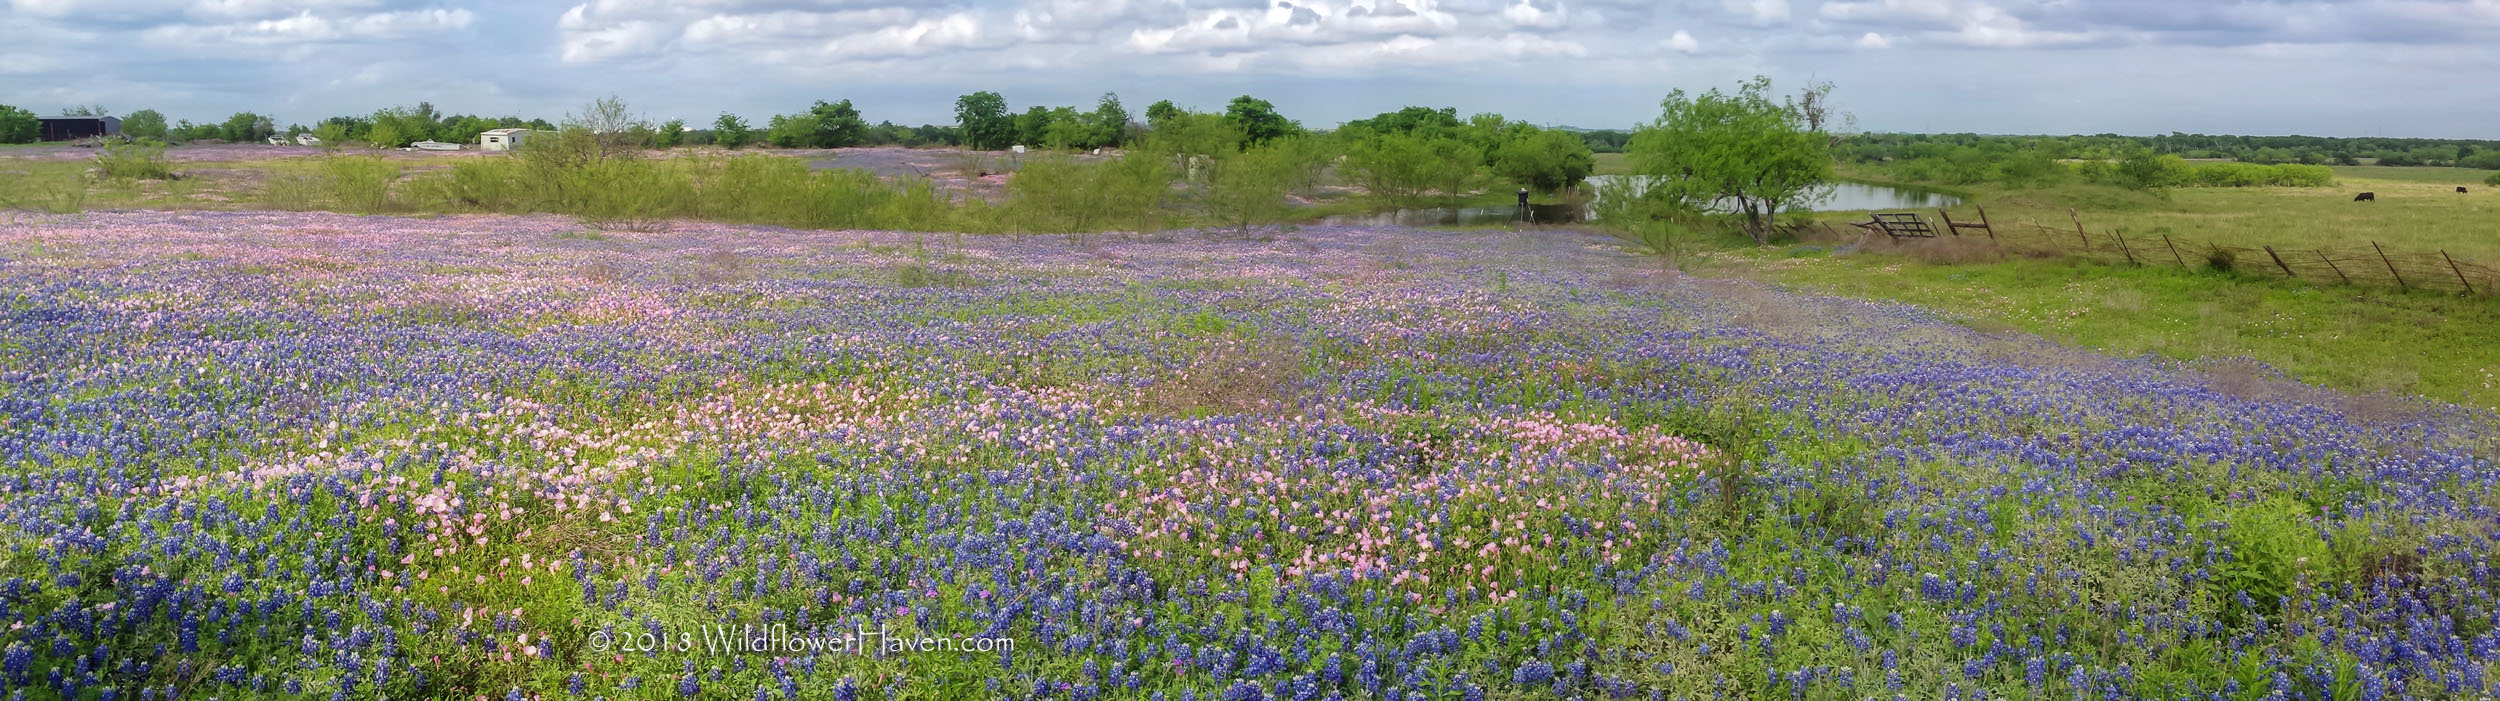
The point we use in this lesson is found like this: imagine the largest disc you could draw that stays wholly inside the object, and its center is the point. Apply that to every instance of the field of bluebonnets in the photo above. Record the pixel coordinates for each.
(288, 454)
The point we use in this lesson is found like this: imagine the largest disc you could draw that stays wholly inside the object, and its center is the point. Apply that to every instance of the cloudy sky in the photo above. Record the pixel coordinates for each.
(2332, 67)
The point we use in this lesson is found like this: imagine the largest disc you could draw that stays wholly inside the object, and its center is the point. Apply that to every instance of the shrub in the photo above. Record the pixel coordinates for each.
(19, 126)
(2493, 181)
(360, 183)
(143, 160)
(2221, 260)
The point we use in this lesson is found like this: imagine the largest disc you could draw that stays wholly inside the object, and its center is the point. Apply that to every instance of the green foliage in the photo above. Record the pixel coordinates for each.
(246, 127)
(1413, 169)
(1033, 126)
(731, 132)
(672, 133)
(1248, 189)
(360, 183)
(2493, 181)
(144, 124)
(19, 126)
(1160, 113)
(1258, 121)
(1544, 161)
(1741, 151)
(2274, 544)
(838, 125)
(1055, 193)
(984, 120)
(791, 130)
(143, 160)
(1110, 122)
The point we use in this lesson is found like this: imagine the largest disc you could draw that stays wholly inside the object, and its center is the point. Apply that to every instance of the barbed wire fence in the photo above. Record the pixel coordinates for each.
(2374, 264)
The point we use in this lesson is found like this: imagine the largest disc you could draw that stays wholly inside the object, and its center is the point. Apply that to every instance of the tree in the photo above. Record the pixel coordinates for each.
(791, 130)
(2493, 181)
(1410, 169)
(1033, 126)
(144, 124)
(671, 134)
(984, 120)
(1110, 122)
(1543, 160)
(1068, 130)
(245, 127)
(1258, 121)
(615, 129)
(838, 125)
(1160, 113)
(1740, 151)
(19, 126)
(731, 132)
(1248, 189)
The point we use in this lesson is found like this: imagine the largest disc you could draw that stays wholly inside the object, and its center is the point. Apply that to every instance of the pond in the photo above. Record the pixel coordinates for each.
(1836, 197)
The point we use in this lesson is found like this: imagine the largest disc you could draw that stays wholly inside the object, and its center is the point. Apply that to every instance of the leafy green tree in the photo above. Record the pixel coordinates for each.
(1413, 169)
(1109, 121)
(672, 133)
(19, 126)
(984, 120)
(838, 125)
(1543, 160)
(1033, 126)
(1068, 129)
(1258, 121)
(144, 124)
(245, 127)
(1408, 120)
(1160, 113)
(731, 132)
(1742, 151)
(791, 130)
(1248, 189)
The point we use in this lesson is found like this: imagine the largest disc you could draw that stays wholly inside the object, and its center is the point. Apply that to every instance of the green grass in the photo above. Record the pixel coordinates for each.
(2351, 338)
(1613, 164)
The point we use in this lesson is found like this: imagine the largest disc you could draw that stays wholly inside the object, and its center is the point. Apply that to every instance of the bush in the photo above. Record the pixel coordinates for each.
(2493, 181)
(143, 160)
(2221, 260)
(360, 183)
(19, 126)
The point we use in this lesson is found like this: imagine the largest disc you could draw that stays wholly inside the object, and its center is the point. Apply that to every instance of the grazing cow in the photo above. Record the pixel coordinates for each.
(2460, 189)
(2365, 197)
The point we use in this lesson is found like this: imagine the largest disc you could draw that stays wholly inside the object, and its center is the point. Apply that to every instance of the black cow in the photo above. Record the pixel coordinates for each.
(2365, 197)
(2460, 189)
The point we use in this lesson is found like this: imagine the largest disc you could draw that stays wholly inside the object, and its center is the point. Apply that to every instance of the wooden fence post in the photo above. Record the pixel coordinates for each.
(2391, 267)
(2330, 265)
(2122, 245)
(2079, 235)
(2174, 251)
(1983, 223)
(2278, 262)
(2452, 267)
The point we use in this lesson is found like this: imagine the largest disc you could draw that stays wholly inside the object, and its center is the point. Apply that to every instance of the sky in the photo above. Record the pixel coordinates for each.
(2419, 68)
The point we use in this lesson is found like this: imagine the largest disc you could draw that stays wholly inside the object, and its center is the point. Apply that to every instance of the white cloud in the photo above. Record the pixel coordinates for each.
(305, 26)
(1527, 14)
(1683, 41)
(1873, 40)
(1762, 12)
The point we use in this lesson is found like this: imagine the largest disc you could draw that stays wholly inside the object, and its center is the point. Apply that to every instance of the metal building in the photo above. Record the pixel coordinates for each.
(72, 128)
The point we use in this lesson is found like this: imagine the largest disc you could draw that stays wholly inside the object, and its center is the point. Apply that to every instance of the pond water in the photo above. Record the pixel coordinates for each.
(1836, 197)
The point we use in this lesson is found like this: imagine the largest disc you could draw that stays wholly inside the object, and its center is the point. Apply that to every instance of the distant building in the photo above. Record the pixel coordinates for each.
(74, 128)
(501, 139)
